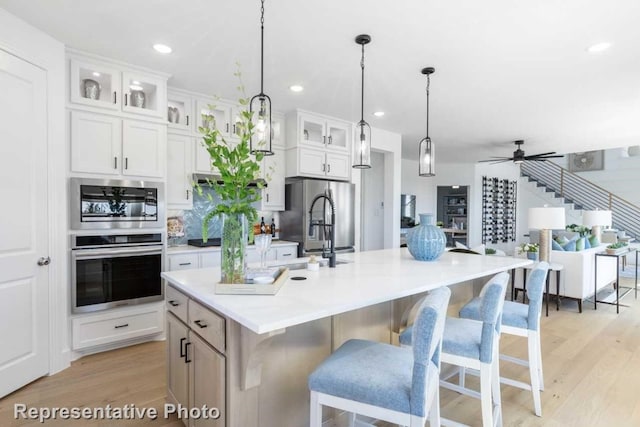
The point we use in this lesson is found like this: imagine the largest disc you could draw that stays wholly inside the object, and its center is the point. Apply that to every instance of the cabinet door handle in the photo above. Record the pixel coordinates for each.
(286, 254)
(115, 163)
(126, 163)
(125, 99)
(227, 127)
(324, 139)
(183, 352)
(185, 263)
(267, 197)
(124, 325)
(234, 128)
(200, 324)
(186, 353)
(187, 120)
(328, 167)
(173, 303)
(115, 97)
(330, 139)
(323, 167)
(187, 194)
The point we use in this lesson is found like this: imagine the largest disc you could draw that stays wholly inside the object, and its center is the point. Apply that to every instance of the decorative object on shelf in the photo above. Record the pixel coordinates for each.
(546, 219)
(519, 156)
(362, 146)
(586, 161)
(90, 89)
(175, 229)
(260, 141)
(173, 115)
(596, 220)
(208, 121)
(238, 169)
(582, 230)
(498, 210)
(138, 98)
(426, 242)
(617, 248)
(531, 249)
(426, 152)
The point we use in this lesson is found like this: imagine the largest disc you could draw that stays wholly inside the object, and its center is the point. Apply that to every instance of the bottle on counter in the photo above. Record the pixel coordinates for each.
(263, 227)
(273, 228)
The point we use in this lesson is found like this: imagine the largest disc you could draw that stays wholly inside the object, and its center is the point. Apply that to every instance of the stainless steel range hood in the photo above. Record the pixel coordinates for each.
(206, 179)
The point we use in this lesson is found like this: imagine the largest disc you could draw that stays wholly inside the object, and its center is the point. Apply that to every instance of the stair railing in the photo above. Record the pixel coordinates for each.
(584, 193)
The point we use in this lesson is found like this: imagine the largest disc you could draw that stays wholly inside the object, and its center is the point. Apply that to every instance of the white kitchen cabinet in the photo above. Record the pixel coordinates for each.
(99, 83)
(318, 131)
(102, 144)
(209, 259)
(143, 148)
(183, 261)
(95, 84)
(196, 365)
(179, 171)
(202, 159)
(91, 330)
(180, 112)
(96, 143)
(214, 113)
(273, 171)
(278, 130)
(317, 163)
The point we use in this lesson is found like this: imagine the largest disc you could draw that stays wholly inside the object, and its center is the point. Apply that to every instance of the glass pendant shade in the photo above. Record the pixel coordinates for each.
(260, 108)
(426, 158)
(362, 146)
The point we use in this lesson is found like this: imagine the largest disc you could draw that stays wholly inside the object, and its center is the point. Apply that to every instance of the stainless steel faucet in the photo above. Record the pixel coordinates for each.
(322, 223)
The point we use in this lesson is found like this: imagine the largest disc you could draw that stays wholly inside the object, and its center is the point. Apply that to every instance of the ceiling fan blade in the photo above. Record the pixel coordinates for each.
(552, 157)
(541, 154)
(500, 161)
(493, 159)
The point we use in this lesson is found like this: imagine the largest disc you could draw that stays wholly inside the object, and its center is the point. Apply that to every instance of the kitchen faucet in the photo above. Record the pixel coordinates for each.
(321, 223)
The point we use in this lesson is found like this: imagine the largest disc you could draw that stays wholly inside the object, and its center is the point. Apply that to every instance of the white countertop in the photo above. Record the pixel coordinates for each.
(372, 277)
(185, 249)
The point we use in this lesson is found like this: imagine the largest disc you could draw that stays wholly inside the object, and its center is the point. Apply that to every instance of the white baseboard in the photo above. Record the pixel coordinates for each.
(77, 354)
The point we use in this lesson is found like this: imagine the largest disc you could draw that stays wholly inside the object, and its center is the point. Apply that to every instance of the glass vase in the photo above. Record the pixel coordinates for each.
(233, 247)
(426, 242)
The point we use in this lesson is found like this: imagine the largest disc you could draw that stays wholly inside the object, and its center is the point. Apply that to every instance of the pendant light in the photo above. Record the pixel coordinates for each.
(426, 153)
(362, 146)
(261, 103)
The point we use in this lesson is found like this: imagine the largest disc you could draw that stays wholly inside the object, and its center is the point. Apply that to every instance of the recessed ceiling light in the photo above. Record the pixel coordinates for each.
(96, 74)
(135, 82)
(598, 47)
(162, 48)
(296, 88)
(135, 87)
(379, 113)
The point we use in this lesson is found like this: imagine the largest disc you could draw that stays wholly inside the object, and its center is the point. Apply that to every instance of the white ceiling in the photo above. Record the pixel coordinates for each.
(505, 69)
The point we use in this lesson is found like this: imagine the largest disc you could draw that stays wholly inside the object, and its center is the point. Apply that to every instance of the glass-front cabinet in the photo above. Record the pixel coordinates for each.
(143, 94)
(312, 130)
(338, 135)
(211, 115)
(320, 132)
(180, 112)
(95, 84)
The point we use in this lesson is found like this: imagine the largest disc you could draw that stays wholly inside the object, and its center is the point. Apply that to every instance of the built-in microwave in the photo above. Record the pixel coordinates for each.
(107, 204)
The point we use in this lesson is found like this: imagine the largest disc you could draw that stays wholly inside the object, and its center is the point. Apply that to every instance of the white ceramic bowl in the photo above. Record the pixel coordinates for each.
(263, 280)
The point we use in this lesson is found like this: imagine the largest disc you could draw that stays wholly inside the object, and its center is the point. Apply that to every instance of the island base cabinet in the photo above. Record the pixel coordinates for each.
(196, 376)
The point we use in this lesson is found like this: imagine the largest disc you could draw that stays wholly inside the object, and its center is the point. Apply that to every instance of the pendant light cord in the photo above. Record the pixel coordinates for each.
(428, 83)
(262, 48)
(362, 92)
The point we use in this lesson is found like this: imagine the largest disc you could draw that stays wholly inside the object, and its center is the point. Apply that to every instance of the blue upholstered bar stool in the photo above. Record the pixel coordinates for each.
(474, 344)
(397, 385)
(524, 321)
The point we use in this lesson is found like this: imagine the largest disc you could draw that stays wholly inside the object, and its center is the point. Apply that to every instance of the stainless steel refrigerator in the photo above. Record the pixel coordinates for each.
(295, 220)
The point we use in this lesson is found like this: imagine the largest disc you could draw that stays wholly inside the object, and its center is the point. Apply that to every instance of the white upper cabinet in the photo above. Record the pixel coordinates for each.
(179, 171)
(338, 135)
(95, 84)
(314, 130)
(102, 84)
(102, 144)
(278, 130)
(214, 114)
(273, 171)
(180, 112)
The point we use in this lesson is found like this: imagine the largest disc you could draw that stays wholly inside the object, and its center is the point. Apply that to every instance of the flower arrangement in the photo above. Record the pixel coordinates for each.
(582, 230)
(529, 247)
(617, 245)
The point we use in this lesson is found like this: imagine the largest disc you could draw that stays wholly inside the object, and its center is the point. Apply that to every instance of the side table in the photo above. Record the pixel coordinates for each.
(618, 296)
(552, 267)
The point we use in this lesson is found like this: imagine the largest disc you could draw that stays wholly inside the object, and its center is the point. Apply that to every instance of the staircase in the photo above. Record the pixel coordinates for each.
(583, 194)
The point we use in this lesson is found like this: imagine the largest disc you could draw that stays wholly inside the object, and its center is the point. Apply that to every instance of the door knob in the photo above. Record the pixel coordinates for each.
(44, 261)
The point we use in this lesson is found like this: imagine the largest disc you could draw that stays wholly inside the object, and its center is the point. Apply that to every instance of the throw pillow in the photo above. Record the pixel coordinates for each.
(593, 241)
(570, 246)
(556, 246)
(580, 244)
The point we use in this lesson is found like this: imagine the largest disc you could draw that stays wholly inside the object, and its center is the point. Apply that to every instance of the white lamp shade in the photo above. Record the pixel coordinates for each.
(592, 218)
(546, 218)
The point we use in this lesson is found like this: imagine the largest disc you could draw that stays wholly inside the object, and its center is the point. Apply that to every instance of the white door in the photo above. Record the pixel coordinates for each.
(144, 148)
(373, 224)
(24, 287)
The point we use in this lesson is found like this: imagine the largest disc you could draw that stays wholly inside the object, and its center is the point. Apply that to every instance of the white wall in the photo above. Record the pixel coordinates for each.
(373, 204)
(388, 143)
(24, 41)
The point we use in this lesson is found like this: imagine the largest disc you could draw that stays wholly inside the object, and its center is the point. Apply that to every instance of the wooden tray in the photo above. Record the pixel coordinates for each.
(254, 289)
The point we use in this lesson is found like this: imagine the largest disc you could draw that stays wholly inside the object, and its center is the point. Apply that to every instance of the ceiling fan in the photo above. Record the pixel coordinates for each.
(519, 156)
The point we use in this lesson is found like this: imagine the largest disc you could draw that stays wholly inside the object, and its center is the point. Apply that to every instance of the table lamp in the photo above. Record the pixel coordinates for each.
(596, 220)
(546, 219)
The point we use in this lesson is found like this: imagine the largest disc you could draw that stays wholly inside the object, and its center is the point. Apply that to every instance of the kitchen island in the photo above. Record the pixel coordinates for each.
(264, 347)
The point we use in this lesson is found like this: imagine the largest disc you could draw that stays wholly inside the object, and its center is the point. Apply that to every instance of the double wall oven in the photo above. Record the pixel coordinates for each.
(116, 255)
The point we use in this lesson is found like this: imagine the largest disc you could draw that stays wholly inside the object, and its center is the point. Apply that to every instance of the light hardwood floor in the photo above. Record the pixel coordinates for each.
(591, 366)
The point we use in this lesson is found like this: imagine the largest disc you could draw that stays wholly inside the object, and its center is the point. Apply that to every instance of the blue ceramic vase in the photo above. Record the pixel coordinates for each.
(426, 242)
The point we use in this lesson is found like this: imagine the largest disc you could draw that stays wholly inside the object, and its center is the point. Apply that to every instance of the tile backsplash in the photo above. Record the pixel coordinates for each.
(192, 219)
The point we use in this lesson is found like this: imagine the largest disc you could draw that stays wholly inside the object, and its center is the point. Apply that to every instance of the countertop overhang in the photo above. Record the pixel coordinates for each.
(370, 278)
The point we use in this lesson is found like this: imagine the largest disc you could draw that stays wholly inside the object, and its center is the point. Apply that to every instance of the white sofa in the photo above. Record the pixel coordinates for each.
(577, 276)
